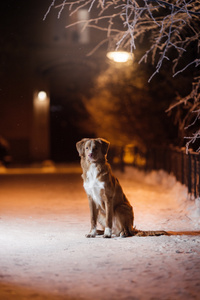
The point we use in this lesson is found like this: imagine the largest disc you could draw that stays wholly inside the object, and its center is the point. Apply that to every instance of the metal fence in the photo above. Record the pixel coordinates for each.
(173, 160)
(185, 167)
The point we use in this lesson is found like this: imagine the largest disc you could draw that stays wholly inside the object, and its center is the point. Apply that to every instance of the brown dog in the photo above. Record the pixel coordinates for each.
(108, 204)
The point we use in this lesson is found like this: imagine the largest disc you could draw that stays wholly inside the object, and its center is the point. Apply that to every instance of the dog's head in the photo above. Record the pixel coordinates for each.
(93, 149)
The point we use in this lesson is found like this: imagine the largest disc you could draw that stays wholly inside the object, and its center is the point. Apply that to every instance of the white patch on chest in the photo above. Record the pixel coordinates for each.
(93, 186)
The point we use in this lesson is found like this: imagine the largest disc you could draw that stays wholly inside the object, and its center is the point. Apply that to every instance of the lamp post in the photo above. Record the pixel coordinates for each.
(40, 126)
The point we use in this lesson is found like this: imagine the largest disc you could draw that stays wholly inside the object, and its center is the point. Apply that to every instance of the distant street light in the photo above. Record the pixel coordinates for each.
(42, 96)
(40, 126)
(120, 56)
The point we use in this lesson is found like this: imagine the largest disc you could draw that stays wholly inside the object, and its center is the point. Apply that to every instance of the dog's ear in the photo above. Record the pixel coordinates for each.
(104, 145)
(80, 146)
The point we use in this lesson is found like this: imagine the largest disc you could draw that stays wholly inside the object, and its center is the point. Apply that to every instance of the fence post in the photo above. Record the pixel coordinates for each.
(168, 160)
(148, 158)
(189, 173)
(155, 157)
(198, 159)
(122, 159)
(182, 165)
(195, 175)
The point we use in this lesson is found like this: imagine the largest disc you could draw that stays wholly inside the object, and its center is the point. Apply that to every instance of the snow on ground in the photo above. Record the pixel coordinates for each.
(44, 254)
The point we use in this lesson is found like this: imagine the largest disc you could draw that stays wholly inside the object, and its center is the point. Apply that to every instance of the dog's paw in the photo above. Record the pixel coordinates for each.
(91, 234)
(107, 232)
(124, 234)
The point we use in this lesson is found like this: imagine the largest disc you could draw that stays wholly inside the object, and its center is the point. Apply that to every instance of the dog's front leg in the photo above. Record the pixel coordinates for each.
(93, 216)
(109, 215)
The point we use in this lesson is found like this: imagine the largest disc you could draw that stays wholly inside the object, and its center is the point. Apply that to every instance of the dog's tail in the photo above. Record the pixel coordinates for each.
(141, 233)
(137, 232)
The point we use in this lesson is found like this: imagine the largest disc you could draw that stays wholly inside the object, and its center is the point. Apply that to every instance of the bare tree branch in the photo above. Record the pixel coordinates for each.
(170, 28)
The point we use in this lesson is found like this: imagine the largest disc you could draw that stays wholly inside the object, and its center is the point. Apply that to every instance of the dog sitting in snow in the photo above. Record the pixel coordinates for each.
(108, 204)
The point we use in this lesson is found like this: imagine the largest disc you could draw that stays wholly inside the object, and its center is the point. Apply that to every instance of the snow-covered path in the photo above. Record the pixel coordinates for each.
(44, 254)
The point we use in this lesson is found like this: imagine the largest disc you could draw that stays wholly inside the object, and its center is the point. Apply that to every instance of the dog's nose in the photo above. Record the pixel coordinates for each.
(90, 155)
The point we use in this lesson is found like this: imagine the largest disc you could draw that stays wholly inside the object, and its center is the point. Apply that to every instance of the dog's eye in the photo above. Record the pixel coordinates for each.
(86, 148)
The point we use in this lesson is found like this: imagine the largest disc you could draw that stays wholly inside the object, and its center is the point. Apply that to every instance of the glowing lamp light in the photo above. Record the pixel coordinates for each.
(120, 56)
(42, 96)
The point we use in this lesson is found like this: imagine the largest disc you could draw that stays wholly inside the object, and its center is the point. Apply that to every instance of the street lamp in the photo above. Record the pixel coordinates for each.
(40, 126)
(42, 96)
(120, 56)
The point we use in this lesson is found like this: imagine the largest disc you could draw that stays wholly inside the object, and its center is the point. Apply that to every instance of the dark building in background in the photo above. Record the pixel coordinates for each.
(38, 55)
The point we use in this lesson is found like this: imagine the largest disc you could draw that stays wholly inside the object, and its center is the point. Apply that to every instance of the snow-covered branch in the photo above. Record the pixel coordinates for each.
(192, 118)
(168, 29)
(192, 139)
(170, 26)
